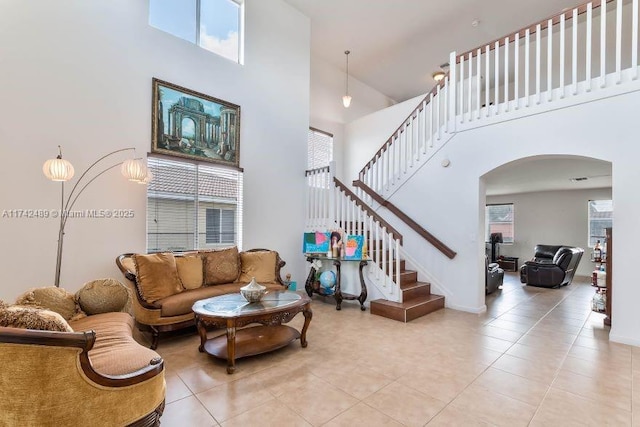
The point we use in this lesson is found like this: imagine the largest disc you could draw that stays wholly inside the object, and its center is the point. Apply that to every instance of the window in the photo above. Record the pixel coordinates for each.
(499, 219)
(193, 206)
(220, 225)
(319, 148)
(215, 25)
(600, 217)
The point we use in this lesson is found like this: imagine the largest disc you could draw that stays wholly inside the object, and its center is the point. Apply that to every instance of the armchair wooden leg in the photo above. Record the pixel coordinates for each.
(155, 336)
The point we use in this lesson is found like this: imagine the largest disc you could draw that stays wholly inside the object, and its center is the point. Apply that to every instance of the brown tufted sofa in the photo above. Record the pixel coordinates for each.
(96, 375)
(166, 284)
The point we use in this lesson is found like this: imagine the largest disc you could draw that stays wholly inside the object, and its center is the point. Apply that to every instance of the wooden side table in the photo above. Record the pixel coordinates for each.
(313, 286)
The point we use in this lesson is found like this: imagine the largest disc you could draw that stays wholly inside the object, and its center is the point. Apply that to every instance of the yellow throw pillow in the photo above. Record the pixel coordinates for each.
(157, 276)
(51, 298)
(190, 271)
(261, 265)
(221, 266)
(28, 317)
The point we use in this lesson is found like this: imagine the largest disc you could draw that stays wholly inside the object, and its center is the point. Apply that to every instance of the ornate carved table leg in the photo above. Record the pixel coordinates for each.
(231, 347)
(308, 286)
(363, 287)
(202, 331)
(338, 293)
(308, 314)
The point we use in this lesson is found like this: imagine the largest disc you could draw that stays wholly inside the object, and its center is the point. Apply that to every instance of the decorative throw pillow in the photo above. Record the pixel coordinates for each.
(221, 266)
(28, 317)
(51, 298)
(190, 271)
(261, 265)
(129, 264)
(102, 296)
(157, 276)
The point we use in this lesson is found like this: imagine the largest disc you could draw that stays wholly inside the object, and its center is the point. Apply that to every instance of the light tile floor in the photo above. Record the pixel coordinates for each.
(536, 357)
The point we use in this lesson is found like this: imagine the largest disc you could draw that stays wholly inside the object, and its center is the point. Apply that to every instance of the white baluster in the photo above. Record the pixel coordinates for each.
(487, 79)
(574, 51)
(461, 90)
(446, 111)
(603, 43)
(496, 83)
(451, 92)
(424, 126)
(388, 169)
(397, 250)
(385, 264)
(506, 74)
(431, 112)
(516, 70)
(438, 112)
(470, 94)
(478, 81)
(634, 40)
(376, 253)
(538, 31)
(549, 59)
(561, 59)
(618, 42)
(527, 81)
(588, 47)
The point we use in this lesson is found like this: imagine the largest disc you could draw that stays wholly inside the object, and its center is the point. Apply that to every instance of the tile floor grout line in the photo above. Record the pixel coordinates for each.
(555, 376)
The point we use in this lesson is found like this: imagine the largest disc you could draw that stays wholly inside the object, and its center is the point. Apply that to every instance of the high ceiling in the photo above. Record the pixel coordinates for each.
(397, 44)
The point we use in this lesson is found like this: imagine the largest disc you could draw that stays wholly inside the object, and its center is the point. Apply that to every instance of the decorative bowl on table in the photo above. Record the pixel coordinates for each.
(253, 292)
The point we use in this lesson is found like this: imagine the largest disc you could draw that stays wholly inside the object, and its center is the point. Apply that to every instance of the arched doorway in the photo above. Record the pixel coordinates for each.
(548, 197)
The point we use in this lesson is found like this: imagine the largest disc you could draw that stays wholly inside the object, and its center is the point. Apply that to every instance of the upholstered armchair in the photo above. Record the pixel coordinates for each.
(493, 276)
(551, 272)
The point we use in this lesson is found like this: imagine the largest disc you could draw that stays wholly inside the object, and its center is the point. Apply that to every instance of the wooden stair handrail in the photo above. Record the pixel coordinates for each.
(447, 251)
(461, 57)
(367, 209)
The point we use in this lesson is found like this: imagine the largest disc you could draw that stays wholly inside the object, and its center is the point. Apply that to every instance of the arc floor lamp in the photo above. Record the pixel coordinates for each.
(61, 170)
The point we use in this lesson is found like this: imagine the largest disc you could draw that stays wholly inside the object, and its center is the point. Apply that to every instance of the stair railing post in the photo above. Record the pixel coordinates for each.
(331, 220)
(452, 88)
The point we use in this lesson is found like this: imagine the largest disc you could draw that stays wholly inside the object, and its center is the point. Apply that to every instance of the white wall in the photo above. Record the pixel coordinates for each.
(367, 134)
(79, 74)
(551, 218)
(449, 202)
(328, 113)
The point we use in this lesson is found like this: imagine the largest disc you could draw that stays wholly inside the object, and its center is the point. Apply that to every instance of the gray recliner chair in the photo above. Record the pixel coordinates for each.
(493, 276)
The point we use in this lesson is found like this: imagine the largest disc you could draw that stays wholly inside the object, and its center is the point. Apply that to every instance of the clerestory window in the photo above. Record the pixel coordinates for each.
(215, 25)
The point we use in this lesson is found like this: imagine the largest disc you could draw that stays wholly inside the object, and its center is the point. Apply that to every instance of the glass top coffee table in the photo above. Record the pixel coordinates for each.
(233, 311)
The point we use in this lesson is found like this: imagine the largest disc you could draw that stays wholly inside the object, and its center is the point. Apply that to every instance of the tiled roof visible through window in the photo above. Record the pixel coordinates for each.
(176, 178)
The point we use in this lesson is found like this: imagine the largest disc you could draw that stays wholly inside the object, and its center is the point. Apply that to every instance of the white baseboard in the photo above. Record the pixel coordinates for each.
(624, 340)
(474, 310)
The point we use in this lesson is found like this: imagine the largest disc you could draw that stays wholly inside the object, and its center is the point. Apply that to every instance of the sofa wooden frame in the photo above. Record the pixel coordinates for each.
(85, 341)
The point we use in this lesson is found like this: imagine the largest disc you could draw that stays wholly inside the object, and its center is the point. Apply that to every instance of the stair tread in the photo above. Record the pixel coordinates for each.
(413, 285)
(411, 303)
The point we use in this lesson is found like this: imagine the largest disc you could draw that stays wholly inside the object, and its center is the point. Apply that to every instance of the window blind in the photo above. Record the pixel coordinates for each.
(179, 201)
(319, 149)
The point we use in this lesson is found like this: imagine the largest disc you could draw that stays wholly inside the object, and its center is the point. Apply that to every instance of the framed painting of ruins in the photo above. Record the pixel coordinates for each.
(193, 125)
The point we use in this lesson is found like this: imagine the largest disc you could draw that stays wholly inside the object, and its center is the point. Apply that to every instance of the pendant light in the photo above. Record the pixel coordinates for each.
(346, 99)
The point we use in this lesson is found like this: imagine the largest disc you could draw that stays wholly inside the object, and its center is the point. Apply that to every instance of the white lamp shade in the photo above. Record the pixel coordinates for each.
(346, 101)
(134, 170)
(147, 179)
(58, 170)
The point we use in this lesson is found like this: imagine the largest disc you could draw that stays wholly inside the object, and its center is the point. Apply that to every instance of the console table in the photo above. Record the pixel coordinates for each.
(508, 263)
(313, 286)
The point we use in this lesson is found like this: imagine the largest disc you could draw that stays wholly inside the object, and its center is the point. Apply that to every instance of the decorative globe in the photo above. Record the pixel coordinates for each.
(327, 279)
